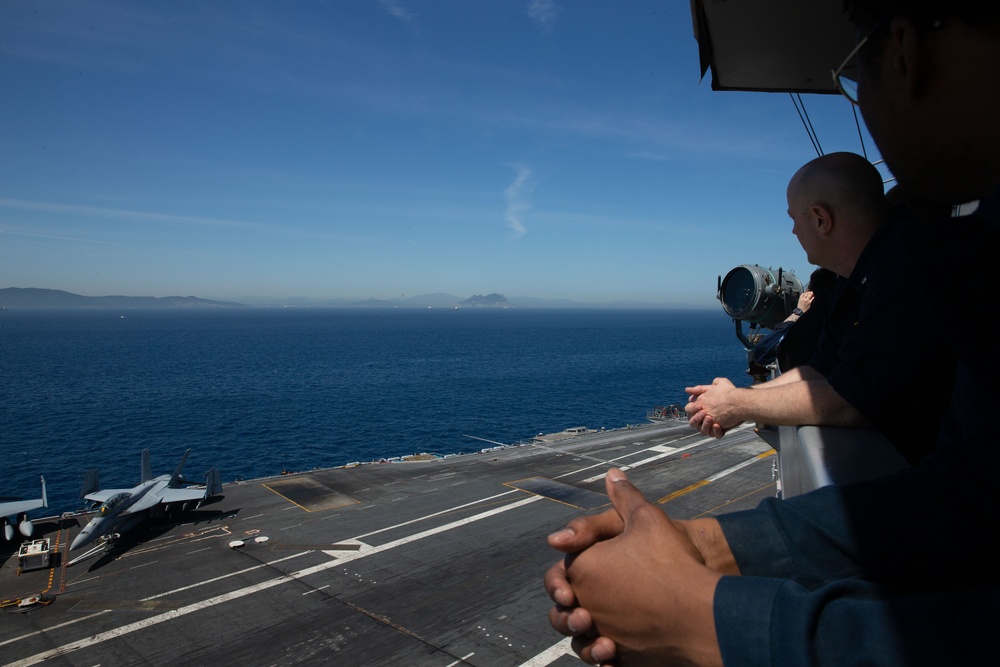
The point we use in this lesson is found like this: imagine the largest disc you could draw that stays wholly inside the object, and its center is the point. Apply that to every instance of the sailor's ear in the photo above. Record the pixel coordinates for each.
(821, 217)
(906, 51)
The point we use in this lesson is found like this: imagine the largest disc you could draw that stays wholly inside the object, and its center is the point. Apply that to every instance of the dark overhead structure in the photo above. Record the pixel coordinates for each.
(772, 45)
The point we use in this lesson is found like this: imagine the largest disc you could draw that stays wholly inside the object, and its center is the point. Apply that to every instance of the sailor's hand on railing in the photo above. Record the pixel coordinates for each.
(710, 410)
(702, 421)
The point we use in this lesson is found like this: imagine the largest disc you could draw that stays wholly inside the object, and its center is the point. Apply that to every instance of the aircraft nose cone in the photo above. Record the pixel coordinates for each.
(88, 534)
(78, 541)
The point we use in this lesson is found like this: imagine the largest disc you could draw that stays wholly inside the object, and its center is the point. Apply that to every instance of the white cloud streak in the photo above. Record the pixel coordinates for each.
(518, 204)
(543, 13)
(126, 214)
(394, 8)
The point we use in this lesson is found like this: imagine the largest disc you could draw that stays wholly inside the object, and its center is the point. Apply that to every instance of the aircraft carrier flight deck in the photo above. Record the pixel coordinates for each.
(434, 563)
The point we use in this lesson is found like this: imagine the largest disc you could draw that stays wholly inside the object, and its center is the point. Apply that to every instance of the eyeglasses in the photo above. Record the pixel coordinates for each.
(847, 84)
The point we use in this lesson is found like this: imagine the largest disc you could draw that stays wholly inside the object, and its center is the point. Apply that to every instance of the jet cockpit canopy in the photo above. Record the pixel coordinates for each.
(114, 501)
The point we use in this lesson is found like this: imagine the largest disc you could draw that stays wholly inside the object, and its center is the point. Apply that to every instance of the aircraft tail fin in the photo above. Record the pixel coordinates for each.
(213, 483)
(45, 498)
(176, 479)
(147, 468)
(91, 483)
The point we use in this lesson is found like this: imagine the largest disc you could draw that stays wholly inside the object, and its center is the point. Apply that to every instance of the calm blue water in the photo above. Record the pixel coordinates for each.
(255, 391)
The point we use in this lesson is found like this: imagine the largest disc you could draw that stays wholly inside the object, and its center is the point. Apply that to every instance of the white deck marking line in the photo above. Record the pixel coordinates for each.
(551, 654)
(224, 576)
(316, 590)
(136, 567)
(339, 558)
(366, 550)
(431, 516)
(655, 448)
(651, 459)
(567, 452)
(80, 581)
(462, 659)
(152, 597)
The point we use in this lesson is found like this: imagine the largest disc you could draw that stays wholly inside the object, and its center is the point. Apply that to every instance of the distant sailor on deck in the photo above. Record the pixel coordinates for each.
(790, 346)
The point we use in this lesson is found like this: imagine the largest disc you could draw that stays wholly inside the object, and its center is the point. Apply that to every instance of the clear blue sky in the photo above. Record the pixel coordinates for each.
(365, 148)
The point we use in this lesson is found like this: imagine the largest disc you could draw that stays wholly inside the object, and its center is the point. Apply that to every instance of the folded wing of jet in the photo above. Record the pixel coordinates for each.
(15, 512)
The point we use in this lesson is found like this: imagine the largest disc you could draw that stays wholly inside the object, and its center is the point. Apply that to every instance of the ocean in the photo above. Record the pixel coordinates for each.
(257, 391)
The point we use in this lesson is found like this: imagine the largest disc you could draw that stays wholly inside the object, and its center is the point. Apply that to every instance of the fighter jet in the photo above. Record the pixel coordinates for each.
(16, 512)
(123, 508)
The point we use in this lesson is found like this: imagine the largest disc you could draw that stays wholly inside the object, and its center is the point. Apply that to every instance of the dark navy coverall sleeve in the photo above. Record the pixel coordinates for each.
(897, 571)
(773, 622)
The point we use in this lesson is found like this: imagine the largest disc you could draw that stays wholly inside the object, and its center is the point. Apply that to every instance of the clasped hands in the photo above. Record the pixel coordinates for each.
(633, 587)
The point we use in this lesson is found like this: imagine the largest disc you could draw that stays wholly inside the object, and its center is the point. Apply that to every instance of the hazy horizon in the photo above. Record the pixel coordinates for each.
(437, 299)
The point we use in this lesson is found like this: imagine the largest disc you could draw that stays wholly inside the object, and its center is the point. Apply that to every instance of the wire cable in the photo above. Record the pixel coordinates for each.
(861, 138)
(800, 107)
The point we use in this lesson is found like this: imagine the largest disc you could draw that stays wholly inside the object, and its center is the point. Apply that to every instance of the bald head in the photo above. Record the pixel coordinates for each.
(844, 183)
(837, 202)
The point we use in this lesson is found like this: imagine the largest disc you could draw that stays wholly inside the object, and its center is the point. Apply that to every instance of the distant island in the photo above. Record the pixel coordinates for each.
(33, 297)
(488, 301)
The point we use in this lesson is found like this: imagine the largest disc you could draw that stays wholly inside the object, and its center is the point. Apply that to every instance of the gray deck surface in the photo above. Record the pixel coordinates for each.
(430, 563)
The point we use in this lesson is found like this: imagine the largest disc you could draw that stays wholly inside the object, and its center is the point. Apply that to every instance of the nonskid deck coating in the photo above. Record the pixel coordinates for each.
(309, 493)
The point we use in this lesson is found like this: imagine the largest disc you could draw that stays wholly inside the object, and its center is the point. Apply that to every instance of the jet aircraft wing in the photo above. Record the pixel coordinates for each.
(10, 508)
(182, 495)
(164, 497)
(17, 509)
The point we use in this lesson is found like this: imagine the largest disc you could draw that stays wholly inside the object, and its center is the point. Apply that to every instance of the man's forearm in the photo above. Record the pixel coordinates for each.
(797, 374)
(795, 402)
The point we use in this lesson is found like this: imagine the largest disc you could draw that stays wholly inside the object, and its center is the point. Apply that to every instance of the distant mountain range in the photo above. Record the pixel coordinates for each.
(30, 297)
